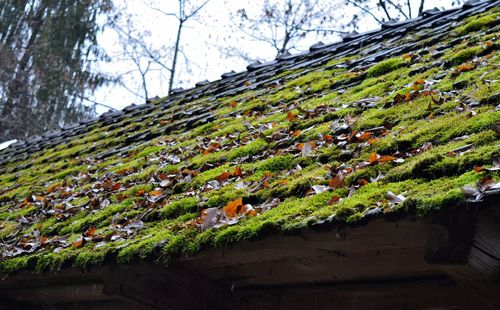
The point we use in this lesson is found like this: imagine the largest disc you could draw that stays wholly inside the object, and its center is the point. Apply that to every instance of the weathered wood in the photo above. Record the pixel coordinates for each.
(433, 293)
(380, 250)
(485, 250)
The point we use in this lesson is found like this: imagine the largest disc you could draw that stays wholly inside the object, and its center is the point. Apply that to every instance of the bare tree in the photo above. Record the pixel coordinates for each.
(147, 58)
(283, 25)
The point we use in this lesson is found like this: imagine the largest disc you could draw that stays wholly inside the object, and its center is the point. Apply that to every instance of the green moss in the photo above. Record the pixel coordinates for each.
(386, 66)
(277, 163)
(476, 24)
(465, 55)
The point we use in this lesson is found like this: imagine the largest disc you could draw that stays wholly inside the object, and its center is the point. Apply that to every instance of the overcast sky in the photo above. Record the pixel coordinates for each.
(200, 42)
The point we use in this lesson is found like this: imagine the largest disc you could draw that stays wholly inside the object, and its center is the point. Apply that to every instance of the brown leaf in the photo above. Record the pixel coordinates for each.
(107, 184)
(90, 232)
(116, 186)
(363, 182)
(233, 104)
(223, 177)
(290, 116)
(478, 168)
(337, 181)
(334, 199)
(464, 68)
(398, 98)
(237, 172)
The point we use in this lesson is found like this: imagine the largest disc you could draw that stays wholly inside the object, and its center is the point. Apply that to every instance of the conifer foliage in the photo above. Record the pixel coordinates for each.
(47, 49)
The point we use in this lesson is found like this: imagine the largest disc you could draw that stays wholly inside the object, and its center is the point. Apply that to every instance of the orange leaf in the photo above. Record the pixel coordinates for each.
(237, 172)
(328, 137)
(365, 136)
(334, 199)
(290, 116)
(372, 140)
(116, 186)
(373, 158)
(155, 193)
(232, 208)
(79, 243)
(408, 96)
(386, 158)
(478, 168)
(265, 184)
(295, 133)
(300, 146)
(223, 176)
(234, 104)
(90, 232)
(53, 188)
(140, 192)
(283, 182)
(464, 68)
(268, 174)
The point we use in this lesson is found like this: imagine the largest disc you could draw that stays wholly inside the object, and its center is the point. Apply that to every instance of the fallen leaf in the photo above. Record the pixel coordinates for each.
(373, 158)
(334, 199)
(116, 186)
(53, 188)
(223, 177)
(295, 133)
(318, 189)
(478, 168)
(362, 182)
(155, 193)
(79, 243)
(233, 207)
(234, 104)
(386, 158)
(90, 232)
(237, 172)
(290, 116)
(337, 181)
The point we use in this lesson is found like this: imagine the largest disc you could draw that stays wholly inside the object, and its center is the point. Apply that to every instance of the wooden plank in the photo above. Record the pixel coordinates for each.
(380, 250)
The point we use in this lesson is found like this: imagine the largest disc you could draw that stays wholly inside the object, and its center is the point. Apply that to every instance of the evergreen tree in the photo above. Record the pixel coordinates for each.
(46, 53)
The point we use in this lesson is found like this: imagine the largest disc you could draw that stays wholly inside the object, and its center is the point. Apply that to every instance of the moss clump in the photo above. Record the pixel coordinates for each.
(465, 55)
(476, 24)
(386, 66)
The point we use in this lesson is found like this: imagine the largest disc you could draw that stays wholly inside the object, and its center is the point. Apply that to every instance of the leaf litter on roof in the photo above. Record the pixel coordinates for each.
(417, 132)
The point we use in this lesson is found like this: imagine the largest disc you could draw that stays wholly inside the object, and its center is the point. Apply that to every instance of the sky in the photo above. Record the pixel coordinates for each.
(200, 40)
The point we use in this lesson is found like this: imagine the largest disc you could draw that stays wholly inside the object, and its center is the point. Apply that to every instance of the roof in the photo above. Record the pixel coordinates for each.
(402, 120)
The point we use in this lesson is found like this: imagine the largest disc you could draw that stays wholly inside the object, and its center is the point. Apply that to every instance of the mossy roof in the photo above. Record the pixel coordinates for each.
(391, 121)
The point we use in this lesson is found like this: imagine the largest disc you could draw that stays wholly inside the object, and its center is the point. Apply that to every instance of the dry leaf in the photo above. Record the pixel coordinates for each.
(90, 232)
(233, 207)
